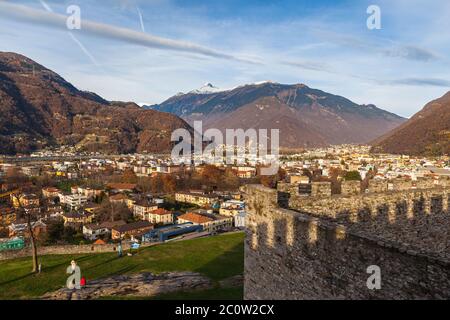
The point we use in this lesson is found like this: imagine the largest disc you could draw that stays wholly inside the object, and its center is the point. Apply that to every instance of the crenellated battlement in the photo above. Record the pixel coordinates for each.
(321, 246)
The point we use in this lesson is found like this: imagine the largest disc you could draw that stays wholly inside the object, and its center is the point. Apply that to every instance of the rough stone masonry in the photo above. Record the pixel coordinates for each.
(320, 246)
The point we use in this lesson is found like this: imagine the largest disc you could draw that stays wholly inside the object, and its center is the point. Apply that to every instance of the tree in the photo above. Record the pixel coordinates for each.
(231, 181)
(169, 183)
(122, 212)
(212, 174)
(352, 176)
(129, 176)
(156, 184)
(55, 232)
(30, 232)
(268, 181)
(69, 234)
(271, 181)
(110, 211)
(4, 233)
(145, 184)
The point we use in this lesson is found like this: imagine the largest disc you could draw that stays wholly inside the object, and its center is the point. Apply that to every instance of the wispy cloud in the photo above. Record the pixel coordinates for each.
(325, 68)
(310, 65)
(111, 32)
(383, 46)
(432, 82)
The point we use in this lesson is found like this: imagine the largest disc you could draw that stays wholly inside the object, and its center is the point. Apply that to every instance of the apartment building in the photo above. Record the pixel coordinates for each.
(74, 201)
(160, 216)
(199, 199)
(142, 208)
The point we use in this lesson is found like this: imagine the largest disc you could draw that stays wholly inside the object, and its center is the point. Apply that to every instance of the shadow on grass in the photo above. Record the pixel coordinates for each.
(228, 264)
(17, 279)
(53, 267)
(117, 272)
(65, 263)
(102, 263)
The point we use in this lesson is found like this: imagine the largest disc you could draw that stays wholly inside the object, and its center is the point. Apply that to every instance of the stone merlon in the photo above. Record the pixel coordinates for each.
(321, 247)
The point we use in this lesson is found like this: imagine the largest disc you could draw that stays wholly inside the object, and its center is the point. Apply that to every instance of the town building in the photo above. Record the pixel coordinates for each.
(73, 201)
(50, 192)
(121, 187)
(245, 172)
(160, 216)
(31, 171)
(210, 223)
(170, 232)
(21, 229)
(77, 218)
(25, 200)
(199, 199)
(15, 243)
(122, 198)
(142, 208)
(103, 230)
(240, 220)
(231, 208)
(131, 230)
(7, 216)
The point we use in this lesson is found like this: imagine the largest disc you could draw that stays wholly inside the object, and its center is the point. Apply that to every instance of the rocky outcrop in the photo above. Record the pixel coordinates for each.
(134, 285)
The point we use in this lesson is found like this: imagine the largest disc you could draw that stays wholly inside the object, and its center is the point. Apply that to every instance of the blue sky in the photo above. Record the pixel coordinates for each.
(324, 44)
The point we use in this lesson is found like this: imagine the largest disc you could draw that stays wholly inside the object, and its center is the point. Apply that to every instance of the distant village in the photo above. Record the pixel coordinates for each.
(64, 198)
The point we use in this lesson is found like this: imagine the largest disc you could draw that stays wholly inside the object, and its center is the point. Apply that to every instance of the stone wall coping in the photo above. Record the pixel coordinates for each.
(328, 223)
(372, 194)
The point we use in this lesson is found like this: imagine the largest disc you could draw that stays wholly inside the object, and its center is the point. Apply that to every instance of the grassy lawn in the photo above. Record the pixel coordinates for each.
(218, 258)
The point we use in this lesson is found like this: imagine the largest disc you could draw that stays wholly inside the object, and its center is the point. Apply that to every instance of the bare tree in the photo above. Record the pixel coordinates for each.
(112, 211)
(30, 231)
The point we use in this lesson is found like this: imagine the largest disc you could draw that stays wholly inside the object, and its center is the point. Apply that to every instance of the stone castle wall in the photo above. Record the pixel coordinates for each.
(298, 255)
(416, 219)
(350, 187)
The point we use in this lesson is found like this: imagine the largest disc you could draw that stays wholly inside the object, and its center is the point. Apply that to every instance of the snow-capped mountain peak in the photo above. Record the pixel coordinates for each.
(207, 88)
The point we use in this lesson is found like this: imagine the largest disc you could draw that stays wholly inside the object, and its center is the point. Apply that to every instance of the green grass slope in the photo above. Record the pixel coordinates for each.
(218, 258)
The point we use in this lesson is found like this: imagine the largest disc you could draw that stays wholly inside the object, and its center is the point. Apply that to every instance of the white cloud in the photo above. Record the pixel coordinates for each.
(110, 32)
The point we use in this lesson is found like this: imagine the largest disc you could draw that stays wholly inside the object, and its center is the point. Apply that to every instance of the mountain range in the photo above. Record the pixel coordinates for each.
(306, 117)
(39, 108)
(426, 133)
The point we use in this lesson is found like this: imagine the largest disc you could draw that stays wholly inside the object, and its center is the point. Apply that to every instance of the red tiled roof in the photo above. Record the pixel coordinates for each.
(121, 186)
(118, 197)
(161, 212)
(195, 217)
